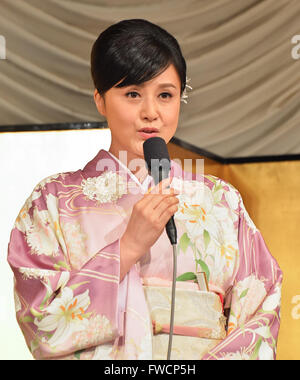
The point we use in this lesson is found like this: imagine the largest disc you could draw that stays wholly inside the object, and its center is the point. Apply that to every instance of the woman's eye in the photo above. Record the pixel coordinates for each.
(165, 95)
(132, 94)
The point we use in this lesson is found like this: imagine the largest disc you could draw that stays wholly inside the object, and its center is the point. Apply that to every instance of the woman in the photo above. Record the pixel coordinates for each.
(91, 259)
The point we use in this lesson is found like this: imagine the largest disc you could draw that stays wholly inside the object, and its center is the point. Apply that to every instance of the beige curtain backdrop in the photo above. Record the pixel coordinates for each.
(246, 89)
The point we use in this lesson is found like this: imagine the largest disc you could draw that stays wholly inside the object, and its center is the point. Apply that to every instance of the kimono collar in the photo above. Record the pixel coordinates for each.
(143, 181)
(107, 161)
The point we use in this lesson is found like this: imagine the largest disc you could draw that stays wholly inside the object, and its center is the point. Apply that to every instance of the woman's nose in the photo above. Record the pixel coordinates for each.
(149, 111)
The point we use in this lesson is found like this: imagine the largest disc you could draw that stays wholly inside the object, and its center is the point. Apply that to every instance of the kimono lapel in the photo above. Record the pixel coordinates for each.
(134, 320)
(110, 218)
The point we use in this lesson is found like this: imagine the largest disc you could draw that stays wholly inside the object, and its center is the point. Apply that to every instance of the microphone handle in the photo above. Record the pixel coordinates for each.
(170, 226)
(171, 231)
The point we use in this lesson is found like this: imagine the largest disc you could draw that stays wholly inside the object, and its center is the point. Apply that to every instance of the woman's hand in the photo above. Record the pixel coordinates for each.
(148, 220)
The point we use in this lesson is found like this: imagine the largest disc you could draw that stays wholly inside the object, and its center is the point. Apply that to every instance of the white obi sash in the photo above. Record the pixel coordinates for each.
(199, 323)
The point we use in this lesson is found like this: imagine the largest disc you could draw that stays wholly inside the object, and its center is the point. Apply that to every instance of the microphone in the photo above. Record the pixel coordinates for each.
(158, 163)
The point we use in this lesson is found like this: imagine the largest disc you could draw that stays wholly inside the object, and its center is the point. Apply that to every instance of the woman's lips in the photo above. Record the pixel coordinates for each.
(147, 134)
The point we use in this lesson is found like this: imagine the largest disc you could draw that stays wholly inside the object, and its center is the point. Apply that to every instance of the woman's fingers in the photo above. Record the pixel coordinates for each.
(162, 188)
(157, 193)
(160, 209)
(167, 203)
(157, 205)
(149, 217)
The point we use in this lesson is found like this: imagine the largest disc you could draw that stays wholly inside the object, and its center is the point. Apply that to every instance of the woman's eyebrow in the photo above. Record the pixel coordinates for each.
(160, 85)
(167, 85)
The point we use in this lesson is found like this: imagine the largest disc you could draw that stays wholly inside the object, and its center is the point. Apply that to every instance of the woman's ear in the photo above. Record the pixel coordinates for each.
(100, 102)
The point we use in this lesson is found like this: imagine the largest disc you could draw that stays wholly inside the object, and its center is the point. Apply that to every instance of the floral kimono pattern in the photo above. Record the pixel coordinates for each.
(64, 252)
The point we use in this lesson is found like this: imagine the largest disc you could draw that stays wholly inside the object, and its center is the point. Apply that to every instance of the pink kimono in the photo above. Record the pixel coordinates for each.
(64, 252)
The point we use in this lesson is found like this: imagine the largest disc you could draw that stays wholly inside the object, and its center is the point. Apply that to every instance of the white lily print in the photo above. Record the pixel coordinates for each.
(200, 213)
(222, 254)
(273, 300)
(67, 315)
(265, 352)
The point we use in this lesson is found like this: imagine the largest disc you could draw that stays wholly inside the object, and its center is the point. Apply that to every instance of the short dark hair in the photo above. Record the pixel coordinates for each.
(132, 52)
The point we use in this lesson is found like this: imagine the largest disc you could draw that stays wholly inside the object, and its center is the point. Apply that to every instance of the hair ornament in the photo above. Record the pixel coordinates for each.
(184, 95)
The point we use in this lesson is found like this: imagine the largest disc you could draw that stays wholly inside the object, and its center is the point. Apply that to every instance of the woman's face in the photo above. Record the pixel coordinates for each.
(135, 113)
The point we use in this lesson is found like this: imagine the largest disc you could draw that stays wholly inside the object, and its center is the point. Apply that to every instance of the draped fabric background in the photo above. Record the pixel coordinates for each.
(245, 98)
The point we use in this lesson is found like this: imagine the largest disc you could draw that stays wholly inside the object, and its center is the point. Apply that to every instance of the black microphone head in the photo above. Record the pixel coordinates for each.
(158, 162)
(157, 157)
(155, 148)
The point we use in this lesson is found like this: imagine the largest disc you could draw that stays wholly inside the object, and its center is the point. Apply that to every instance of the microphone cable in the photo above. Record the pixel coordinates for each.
(172, 300)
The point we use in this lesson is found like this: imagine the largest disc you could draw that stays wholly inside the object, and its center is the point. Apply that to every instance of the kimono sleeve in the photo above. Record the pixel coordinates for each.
(255, 296)
(59, 310)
